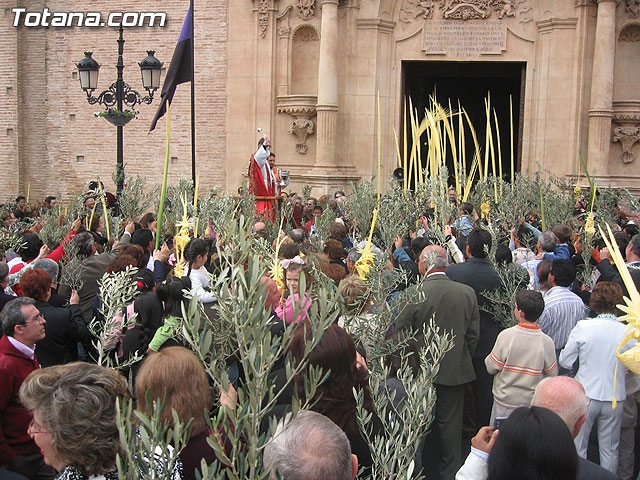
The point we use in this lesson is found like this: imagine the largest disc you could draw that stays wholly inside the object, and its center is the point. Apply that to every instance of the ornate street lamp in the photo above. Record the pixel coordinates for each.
(119, 94)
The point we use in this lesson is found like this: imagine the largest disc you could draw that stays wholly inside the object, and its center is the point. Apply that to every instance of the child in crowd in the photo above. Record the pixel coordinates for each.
(563, 234)
(284, 311)
(311, 224)
(464, 223)
(521, 357)
(197, 254)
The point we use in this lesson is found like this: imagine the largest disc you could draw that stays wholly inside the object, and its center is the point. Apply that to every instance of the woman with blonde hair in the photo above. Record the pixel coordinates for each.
(74, 418)
(357, 302)
(175, 375)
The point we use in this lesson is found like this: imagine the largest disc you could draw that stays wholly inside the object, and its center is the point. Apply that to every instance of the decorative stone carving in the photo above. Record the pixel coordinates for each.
(263, 17)
(630, 33)
(506, 8)
(410, 10)
(301, 128)
(626, 112)
(306, 9)
(526, 15)
(626, 115)
(627, 136)
(284, 32)
(633, 8)
(306, 33)
(465, 9)
(302, 108)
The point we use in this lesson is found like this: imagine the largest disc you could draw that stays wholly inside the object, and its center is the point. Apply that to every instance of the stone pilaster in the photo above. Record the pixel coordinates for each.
(327, 108)
(601, 106)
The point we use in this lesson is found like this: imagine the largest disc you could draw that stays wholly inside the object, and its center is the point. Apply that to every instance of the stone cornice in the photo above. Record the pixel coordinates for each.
(375, 24)
(557, 24)
(601, 113)
(626, 112)
(297, 105)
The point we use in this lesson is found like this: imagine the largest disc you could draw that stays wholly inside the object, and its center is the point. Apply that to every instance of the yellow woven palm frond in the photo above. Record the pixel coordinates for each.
(181, 240)
(366, 260)
(589, 224)
(485, 208)
(178, 269)
(577, 191)
(277, 272)
(184, 223)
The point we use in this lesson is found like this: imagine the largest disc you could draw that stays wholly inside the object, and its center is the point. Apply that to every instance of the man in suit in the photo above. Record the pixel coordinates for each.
(480, 275)
(455, 310)
(94, 267)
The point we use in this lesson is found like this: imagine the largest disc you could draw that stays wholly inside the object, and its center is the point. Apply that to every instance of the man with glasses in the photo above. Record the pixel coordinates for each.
(23, 327)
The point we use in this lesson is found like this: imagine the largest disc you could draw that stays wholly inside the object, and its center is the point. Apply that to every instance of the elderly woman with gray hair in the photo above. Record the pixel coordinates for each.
(74, 419)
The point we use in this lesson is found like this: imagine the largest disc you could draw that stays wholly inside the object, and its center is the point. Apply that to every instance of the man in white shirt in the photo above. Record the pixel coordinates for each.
(562, 308)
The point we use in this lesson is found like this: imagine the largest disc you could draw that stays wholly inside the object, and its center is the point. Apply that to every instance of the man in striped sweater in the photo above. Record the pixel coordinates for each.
(521, 357)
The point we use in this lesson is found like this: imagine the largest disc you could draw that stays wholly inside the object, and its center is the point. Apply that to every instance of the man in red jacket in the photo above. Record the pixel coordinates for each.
(23, 326)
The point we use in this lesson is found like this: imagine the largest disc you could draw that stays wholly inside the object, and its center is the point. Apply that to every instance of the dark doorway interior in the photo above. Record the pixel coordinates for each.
(470, 83)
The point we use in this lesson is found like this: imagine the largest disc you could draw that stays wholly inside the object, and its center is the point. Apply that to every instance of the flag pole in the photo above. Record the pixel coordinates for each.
(193, 98)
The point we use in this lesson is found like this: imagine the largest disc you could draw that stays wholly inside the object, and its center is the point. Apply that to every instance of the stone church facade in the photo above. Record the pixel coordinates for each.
(308, 72)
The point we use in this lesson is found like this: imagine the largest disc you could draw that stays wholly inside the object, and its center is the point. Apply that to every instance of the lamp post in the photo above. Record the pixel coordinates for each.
(119, 94)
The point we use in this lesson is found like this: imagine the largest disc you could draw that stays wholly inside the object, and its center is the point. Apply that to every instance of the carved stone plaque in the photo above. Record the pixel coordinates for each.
(464, 38)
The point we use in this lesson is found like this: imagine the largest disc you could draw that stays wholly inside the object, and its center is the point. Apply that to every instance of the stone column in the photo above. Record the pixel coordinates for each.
(601, 106)
(327, 108)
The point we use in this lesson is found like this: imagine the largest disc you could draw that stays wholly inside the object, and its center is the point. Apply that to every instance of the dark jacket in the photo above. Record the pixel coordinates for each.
(4, 299)
(65, 327)
(480, 275)
(57, 300)
(590, 471)
(455, 309)
(609, 273)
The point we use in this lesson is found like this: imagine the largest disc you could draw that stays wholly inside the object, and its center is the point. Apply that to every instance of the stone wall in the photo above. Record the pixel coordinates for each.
(9, 134)
(57, 145)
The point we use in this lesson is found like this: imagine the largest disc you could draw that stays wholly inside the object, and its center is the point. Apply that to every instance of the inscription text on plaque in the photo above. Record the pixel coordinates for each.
(464, 38)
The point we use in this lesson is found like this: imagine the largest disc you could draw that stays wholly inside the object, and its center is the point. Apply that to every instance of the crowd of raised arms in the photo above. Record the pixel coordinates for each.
(515, 399)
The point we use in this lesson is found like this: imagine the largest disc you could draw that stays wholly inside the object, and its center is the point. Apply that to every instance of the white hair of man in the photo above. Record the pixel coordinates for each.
(433, 256)
(49, 266)
(566, 397)
(547, 241)
(311, 447)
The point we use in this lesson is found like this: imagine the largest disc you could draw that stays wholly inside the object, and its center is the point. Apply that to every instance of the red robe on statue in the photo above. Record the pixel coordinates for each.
(258, 187)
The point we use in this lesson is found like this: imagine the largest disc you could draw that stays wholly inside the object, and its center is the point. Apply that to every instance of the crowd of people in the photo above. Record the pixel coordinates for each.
(527, 396)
